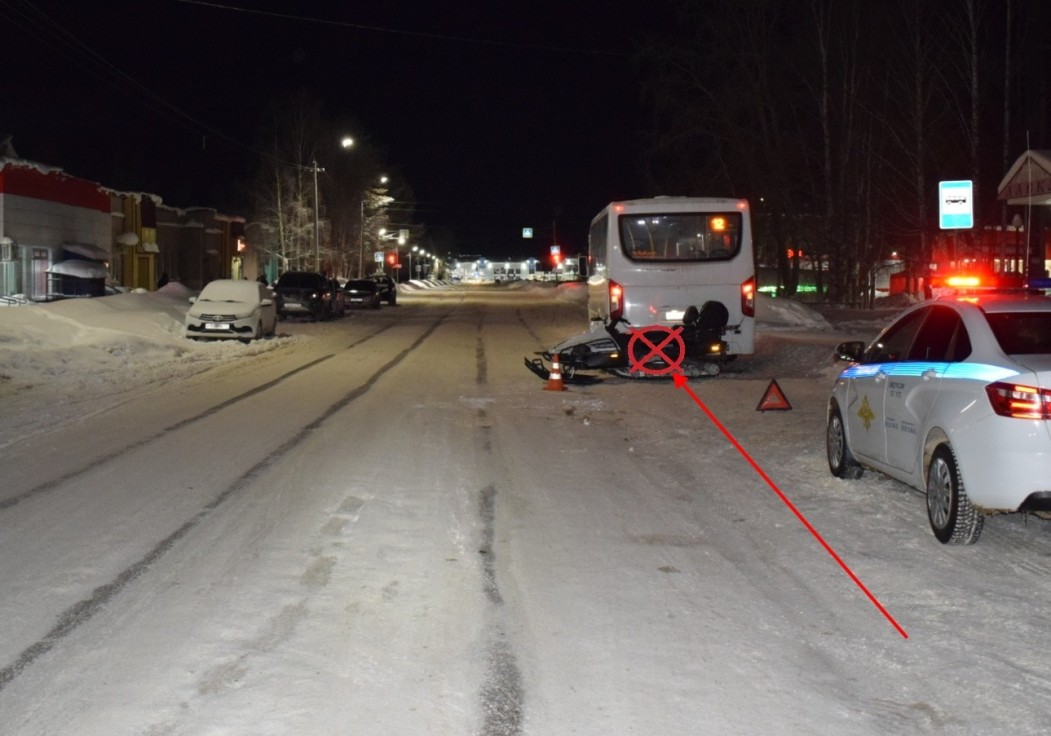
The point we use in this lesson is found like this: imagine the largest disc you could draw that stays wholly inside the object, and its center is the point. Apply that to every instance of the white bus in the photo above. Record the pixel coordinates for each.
(652, 259)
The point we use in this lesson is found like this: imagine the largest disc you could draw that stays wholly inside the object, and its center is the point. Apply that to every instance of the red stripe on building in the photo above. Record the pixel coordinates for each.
(52, 186)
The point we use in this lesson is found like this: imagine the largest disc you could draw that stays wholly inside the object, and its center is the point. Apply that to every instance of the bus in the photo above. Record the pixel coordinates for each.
(649, 260)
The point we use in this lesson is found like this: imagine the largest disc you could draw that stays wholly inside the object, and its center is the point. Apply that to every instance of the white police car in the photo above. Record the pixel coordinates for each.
(954, 399)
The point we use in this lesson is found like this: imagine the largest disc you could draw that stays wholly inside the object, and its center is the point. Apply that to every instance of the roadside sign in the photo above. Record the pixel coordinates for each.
(378, 256)
(556, 250)
(527, 232)
(956, 205)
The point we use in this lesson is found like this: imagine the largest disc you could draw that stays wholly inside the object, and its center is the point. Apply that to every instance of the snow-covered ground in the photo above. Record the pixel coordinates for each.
(74, 357)
(412, 537)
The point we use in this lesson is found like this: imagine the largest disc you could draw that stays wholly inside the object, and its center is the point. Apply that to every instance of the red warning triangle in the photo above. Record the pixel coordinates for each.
(774, 399)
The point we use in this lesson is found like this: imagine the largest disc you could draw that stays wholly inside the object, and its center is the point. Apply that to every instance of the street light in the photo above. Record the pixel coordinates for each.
(347, 142)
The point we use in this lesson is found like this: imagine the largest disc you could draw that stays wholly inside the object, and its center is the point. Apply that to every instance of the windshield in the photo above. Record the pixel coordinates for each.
(230, 291)
(300, 280)
(690, 236)
(360, 286)
(1022, 333)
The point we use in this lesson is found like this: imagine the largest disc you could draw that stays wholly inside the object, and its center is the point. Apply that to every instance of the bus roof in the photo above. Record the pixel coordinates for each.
(664, 204)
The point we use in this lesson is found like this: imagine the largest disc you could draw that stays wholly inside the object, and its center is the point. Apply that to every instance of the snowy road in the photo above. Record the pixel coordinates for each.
(383, 525)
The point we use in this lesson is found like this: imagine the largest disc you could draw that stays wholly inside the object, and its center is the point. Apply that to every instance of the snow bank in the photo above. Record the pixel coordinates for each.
(94, 348)
(786, 313)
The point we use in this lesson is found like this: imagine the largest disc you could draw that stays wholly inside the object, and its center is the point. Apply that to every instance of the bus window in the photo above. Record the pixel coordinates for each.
(681, 237)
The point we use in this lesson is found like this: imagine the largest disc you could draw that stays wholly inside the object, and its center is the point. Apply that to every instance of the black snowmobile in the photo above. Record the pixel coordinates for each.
(655, 354)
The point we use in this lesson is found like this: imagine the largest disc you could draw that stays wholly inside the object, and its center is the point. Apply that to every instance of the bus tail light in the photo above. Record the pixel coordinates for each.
(748, 297)
(1019, 402)
(616, 301)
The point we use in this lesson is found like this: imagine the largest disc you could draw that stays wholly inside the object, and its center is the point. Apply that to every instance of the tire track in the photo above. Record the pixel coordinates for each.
(502, 693)
(50, 485)
(83, 611)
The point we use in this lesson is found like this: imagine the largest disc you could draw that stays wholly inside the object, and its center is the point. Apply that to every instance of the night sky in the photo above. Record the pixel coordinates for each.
(499, 115)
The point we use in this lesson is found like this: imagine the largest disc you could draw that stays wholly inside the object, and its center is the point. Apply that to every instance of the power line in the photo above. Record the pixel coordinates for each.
(404, 32)
(54, 36)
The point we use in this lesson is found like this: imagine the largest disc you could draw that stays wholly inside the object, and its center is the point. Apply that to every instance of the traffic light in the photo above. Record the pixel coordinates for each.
(391, 258)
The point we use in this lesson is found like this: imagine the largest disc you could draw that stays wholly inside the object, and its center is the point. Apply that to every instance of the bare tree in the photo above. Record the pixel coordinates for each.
(837, 118)
(284, 192)
(965, 31)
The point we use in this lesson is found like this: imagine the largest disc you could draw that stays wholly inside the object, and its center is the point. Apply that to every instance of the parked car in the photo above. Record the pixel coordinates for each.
(231, 308)
(953, 399)
(388, 289)
(362, 293)
(305, 294)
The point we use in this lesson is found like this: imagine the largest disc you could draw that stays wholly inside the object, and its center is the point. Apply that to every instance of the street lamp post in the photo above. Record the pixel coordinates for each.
(347, 142)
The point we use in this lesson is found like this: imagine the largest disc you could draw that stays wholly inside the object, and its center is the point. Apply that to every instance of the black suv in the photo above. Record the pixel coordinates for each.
(388, 289)
(303, 293)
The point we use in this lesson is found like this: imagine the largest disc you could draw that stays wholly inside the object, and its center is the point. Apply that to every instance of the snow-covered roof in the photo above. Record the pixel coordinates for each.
(1028, 181)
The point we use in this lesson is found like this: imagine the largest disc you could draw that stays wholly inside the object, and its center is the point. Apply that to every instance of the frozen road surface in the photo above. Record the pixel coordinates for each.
(384, 525)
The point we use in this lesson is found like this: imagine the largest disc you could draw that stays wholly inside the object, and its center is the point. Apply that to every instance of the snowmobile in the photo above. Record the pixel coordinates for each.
(608, 347)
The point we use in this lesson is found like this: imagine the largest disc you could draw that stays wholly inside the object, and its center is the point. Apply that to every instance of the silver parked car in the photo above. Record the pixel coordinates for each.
(229, 308)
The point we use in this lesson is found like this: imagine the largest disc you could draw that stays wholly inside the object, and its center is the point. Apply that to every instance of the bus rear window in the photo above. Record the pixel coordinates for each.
(691, 236)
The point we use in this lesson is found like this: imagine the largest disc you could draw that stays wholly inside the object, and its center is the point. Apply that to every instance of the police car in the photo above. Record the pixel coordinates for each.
(953, 399)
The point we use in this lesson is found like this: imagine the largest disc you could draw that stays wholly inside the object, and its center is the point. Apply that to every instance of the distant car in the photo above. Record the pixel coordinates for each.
(362, 293)
(953, 399)
(388, 289)
(305, 294)
(231, 308)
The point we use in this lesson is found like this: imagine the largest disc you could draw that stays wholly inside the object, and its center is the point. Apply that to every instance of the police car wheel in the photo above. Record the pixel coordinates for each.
(840, 461)
(953, 519)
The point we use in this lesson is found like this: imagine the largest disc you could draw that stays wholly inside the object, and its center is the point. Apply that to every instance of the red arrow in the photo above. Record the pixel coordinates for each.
(680, 382)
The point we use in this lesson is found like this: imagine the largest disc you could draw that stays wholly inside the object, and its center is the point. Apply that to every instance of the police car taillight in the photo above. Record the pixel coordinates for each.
(1019, 402)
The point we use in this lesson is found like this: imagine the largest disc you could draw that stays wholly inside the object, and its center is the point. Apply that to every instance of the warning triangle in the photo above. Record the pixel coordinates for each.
(774, 399)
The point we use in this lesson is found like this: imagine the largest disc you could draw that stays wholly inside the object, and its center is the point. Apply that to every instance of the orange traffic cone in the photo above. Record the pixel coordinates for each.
(554, 381)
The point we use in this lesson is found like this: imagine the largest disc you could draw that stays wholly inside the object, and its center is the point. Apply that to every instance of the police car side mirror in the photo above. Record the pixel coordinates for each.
(851, 351)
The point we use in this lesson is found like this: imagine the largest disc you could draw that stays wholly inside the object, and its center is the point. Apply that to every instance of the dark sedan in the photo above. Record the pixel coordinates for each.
(388, 290)
(303, 293)
(362, 293)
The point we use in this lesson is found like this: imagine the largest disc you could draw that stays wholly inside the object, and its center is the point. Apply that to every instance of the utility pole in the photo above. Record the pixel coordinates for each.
(317, 228)
(361, 243)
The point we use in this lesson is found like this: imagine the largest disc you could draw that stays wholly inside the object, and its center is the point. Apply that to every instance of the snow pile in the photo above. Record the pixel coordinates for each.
(788, 314)
(87, 349)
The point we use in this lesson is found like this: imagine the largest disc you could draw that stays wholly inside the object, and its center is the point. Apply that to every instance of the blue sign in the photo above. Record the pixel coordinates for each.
(956, 205)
